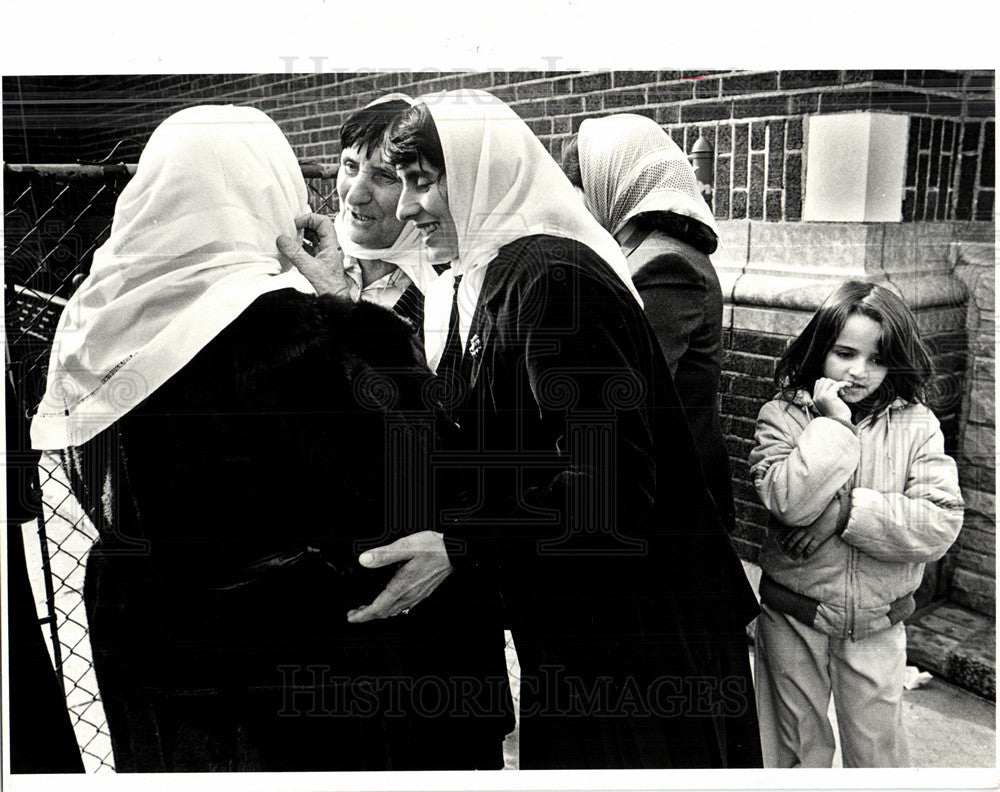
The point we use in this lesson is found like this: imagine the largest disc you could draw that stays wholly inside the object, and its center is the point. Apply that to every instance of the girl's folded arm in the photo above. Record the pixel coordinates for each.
(797, 477)
(918, 524)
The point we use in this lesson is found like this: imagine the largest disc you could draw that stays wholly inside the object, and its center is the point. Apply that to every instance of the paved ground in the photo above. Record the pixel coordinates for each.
(949, 727)
(946, 727)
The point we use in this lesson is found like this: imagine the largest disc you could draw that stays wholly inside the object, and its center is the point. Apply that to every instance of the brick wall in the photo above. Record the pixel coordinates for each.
(747, 382)
(754, 120)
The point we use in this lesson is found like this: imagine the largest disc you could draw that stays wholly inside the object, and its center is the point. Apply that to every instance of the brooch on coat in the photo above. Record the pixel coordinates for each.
(475, 345)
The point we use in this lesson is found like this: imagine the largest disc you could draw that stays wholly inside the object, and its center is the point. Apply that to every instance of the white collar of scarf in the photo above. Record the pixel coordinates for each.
(192, 245)
(407, 253)
(502, 185)
(629, 165)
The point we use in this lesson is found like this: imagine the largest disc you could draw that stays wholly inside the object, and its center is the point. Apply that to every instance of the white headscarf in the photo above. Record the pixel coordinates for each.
(408, 251)
(502, 185)
(192, 245)
(629, 164)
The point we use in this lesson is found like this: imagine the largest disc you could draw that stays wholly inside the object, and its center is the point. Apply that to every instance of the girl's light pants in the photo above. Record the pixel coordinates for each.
(797, 668)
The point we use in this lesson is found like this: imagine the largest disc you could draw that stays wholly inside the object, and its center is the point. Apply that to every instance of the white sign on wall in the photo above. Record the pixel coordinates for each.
(855, 167)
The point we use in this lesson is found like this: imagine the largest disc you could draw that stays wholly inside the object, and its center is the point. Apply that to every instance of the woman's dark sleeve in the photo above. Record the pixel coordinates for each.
(674, 294)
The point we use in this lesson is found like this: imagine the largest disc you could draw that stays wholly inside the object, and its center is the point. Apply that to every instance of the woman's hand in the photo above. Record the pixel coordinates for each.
(826, 397)
(427, 565)
(325, 269)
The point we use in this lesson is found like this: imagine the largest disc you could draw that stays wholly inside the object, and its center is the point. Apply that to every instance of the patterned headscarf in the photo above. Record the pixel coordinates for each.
(630, 165)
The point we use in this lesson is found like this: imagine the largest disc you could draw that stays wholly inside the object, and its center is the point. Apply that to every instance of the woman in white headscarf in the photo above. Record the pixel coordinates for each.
(642, 189)
(584, 502)
(227, 432)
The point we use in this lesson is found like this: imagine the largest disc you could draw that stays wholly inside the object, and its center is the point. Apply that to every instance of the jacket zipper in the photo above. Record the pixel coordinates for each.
(853, 596)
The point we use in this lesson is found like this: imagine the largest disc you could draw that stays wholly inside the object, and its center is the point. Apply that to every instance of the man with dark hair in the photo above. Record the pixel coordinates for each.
(376, 250)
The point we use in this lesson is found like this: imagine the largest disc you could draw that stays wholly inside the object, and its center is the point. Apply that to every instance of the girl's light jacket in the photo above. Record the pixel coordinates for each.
(905, 509)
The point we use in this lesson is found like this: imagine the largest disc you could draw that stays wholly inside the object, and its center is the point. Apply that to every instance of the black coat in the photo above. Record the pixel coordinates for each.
(587, 509)
(232, 504)
(683, 301)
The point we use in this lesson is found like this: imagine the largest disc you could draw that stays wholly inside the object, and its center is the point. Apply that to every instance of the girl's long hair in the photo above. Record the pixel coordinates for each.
(900, 346)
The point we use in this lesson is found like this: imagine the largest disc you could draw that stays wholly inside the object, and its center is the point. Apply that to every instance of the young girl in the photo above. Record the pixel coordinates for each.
(852, 467)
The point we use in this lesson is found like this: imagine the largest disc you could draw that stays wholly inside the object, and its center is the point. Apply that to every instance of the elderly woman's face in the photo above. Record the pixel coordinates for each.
(368, 190)
(424, 200)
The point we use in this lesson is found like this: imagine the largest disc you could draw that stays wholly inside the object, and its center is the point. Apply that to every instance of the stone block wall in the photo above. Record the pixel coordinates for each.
(971, 565)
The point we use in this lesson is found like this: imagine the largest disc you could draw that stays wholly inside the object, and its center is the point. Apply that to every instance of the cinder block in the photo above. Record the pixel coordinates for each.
(975, 591)
(978, 562)
(927, 649)
(980, 441)
(972, 664)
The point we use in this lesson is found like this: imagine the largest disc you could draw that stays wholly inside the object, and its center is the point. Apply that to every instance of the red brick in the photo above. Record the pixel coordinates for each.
(741, 84)
(738, 204)
(670, 92)
(802, 104)
(845, 101)
(812, 79)
(984, 205)
(620, 100)
(625, 78)
(668, 114)
(650, 112)
(561, 126)
(982, 80)
(887, 75)
(588, 83)
(752, 387)
(944, 105)
(707, 89)
(540, 126)
(725, 138)
(748, 363)
(524, 76)
(742, 428)
(566, 105)
(533, 90)
(772, 205)
(896, 101)
(755, 517)
(758, 343)
(481, 80)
